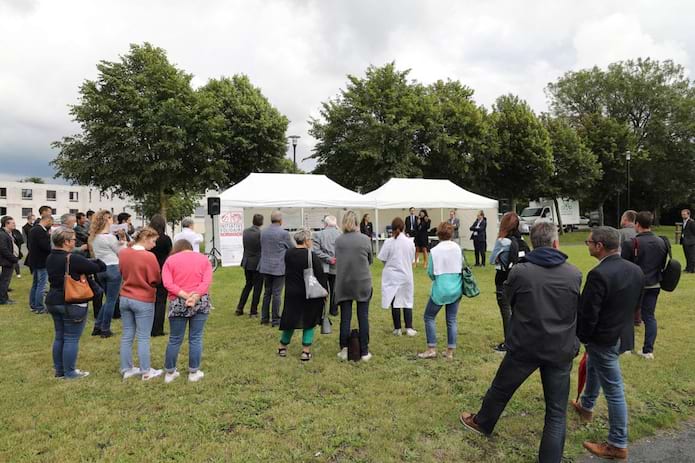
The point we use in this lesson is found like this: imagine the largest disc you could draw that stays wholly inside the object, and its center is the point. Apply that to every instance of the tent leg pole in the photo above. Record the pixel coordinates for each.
(376, 220)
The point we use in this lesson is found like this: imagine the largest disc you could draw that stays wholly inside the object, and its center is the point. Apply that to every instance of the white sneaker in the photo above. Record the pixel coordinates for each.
(367, 358)
(648, 356)
(342, 355)
(169, 377)
(19, 276)
(397, 332)
(197, 376)
(411, 332)
(627, 352)
(79, 374)
(130, 372)
(151, 373)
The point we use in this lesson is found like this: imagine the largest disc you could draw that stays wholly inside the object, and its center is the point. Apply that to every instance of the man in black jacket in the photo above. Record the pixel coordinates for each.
(9, 255)
(249, 262)
(39, 249)
(611, 294)
(410, 223)
(650, 253)
(543, 290)
(688, 240)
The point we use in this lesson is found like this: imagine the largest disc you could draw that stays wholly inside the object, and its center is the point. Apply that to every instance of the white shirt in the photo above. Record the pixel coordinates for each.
(192, 237)
(398, 255)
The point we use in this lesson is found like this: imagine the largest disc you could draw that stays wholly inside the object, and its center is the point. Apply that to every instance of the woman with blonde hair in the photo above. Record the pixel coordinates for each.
(140, 271)
(353, 282)
(105, 247)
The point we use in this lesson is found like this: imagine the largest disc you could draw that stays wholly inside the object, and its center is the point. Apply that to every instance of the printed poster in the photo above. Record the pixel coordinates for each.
(231, 226)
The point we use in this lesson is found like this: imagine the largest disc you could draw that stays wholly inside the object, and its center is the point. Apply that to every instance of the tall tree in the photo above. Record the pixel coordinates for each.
(366, 134)
(575, 167)
(523, 162)
(253, 136)
(32, 180)
(145, 131)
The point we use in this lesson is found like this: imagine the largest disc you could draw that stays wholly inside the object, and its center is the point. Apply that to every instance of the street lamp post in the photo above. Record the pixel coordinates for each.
(294, 139)
(628, 156)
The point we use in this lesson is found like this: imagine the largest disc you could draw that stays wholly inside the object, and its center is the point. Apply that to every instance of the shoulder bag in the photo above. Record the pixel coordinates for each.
(470, 286)
(76, 291)
(313, 288)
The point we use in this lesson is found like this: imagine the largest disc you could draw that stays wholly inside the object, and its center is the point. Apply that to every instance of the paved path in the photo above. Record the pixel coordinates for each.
(675, 446)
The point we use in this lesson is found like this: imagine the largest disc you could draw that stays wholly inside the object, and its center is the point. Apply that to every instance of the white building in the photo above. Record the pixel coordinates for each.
(18, 199)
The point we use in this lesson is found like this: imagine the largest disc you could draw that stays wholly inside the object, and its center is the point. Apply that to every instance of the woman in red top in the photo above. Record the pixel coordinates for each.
(187, 276)
(140, 271)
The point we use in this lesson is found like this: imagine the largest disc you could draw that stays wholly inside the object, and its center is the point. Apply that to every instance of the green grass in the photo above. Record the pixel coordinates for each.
(253, 406)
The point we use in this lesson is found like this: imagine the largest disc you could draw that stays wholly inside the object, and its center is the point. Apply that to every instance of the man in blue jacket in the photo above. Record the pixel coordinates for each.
(275, 241)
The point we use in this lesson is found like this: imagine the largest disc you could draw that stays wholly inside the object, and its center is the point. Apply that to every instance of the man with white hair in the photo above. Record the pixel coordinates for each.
(189, 235)
(275, 241)
(324, 248)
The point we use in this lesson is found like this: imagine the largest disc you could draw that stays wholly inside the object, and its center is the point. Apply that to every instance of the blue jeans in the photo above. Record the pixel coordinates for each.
(431, 312)
(511, 374)
(603, 372)
(38, 286)
(137, 319)
(648, 309)
(110, 280)
(69, 321)
(177, 329)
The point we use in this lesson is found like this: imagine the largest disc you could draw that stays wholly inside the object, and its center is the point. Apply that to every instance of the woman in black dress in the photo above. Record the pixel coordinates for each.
(422, 228)
(299, 312)
(161, 250)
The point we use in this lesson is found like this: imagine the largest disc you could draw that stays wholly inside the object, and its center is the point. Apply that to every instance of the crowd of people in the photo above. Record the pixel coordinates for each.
(545, 313)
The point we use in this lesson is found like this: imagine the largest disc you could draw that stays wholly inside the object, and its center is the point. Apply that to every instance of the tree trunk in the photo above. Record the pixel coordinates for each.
(512, 204)
(657, 215)
(600, 212)
(557, 215)
(163, 203)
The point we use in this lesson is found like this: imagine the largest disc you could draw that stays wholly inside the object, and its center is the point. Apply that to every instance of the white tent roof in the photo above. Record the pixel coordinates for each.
(292, 190)
(400, 193)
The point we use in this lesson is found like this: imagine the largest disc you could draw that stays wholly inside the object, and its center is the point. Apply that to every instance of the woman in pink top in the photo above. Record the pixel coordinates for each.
(186, 276)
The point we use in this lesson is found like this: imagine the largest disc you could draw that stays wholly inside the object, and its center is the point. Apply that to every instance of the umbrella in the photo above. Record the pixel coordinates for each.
(582, 375)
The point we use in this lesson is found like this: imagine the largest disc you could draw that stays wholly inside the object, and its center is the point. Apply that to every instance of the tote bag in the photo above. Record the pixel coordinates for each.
(313, 288)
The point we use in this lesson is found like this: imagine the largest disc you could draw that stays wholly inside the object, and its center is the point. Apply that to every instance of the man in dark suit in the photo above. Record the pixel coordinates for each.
(250, 263)
(9, 255)
(411, 223)
(544, 293)
(688, 241)
(39, 249)
(611, 294)
(275, 241)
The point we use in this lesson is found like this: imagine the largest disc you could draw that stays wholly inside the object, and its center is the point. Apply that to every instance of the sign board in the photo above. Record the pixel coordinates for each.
(231, 229)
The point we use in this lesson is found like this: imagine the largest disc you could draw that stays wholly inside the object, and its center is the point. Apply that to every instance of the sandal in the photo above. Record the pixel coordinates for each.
(305, 357)
(282, 351)
(427, 355)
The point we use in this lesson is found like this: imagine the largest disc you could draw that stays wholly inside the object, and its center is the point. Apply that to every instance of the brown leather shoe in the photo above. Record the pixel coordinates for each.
(585, 415)
(468, 420)
(605, 450)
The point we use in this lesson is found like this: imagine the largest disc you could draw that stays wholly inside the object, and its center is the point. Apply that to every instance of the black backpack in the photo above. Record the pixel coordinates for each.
(354, 351)
(671, 273)
(517, 250)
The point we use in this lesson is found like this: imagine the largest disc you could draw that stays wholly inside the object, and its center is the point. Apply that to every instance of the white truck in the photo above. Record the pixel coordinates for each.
(544, 210)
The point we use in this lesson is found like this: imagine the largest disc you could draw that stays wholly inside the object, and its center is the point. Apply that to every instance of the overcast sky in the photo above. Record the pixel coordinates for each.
(299, 52)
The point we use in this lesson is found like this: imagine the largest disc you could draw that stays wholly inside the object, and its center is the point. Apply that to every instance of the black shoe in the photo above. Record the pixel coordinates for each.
(333, 313)
(96, 331)
(275, 324)
(253, 315)
(154, 335)
(8, 302)
(9, 290)
(501, 348)
(106, 334)
(265, 322)
(239, 312)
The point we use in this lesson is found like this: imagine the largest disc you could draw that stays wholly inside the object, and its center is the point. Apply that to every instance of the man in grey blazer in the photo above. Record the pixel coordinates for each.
(688, 240)
(324, 248)
(274, 242)
(250, 263)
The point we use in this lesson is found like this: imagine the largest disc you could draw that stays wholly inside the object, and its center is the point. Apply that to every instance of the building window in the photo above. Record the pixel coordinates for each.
(3, 193)
(73, 196)
(27, 193)
(3, 211)
(50, 195)
(26, 212)
(74, 211)
(54, 211)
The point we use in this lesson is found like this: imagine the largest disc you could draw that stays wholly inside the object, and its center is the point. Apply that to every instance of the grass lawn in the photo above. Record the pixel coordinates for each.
(254, 406)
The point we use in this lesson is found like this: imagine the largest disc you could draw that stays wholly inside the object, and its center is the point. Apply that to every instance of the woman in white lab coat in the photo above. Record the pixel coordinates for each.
(398, 255)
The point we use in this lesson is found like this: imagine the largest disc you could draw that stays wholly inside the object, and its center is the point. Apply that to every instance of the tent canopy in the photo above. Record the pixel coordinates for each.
(399, 193)
(263, 190)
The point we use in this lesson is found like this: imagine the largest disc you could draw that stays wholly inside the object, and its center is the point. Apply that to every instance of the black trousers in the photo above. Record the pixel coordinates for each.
(689, 252)
(407, 317)
(480, 247)
(160, 310)
(273, 290)
(511, 374)
(362, 320)
(5, 278)
(505, 308)
(254, 281)
(332, 308)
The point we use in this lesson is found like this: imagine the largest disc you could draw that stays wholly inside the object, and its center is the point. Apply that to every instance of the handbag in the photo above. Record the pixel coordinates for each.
(313, 288)
(326, 325)
(469, 285)
(671, 273)
(76, 291)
